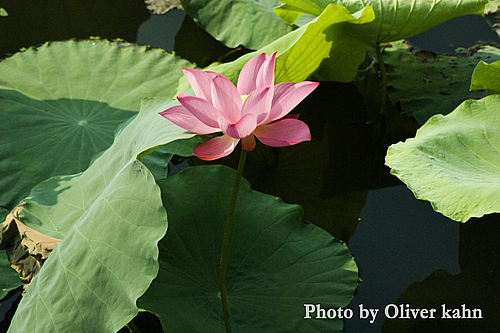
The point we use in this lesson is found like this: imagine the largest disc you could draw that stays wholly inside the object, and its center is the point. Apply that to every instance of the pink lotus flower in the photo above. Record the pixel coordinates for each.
(255, 108)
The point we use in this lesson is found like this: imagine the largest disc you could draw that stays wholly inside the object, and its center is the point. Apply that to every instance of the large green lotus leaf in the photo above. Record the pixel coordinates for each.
(107, 259)
(454, 160)
(30, 23)
(60, 104)
(322, 42)
(487, 77)
(251, 23)
(330, 41)
(397, 19)
(110, 218)
(426, 84)
(337, 45)
(117, 73)
(276, 262)
(49, 201)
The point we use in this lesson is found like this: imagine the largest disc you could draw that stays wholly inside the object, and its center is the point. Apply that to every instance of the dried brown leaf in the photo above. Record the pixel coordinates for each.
(27, 249)
(163, 6)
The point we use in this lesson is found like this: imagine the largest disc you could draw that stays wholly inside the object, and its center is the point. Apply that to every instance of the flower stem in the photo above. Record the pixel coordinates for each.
(383, 75)
(132, 327)
(225, 240)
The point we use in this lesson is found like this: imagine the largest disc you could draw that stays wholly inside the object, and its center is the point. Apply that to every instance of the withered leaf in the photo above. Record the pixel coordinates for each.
(163, 6)
(26, 248)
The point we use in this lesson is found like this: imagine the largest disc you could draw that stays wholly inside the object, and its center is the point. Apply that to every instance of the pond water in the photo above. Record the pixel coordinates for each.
(399, 240)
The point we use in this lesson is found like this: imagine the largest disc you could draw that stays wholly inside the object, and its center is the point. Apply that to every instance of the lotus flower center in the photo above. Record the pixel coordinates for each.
(243, 98)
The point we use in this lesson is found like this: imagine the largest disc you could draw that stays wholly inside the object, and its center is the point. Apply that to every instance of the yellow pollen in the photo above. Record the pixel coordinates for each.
(243, 98)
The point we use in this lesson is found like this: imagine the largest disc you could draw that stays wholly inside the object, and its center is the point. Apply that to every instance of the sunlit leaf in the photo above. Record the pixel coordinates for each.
(487, 77)
(322, 42)
(395, 19)
(276, 262)
(250, 23)
(492, 6)
(454, 160)
(110, 218)
(61, 103)
(287, 14)
(334, 41)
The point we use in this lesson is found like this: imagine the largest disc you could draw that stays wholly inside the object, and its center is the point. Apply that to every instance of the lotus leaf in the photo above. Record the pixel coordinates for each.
(61, 104)
(486, 76)
(110, 218)
(276, 262)
(251, 23)
(454, 160)
(322, 42)
(395, 19)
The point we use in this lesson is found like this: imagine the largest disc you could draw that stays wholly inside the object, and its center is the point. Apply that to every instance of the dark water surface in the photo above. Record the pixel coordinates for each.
(399, 240)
